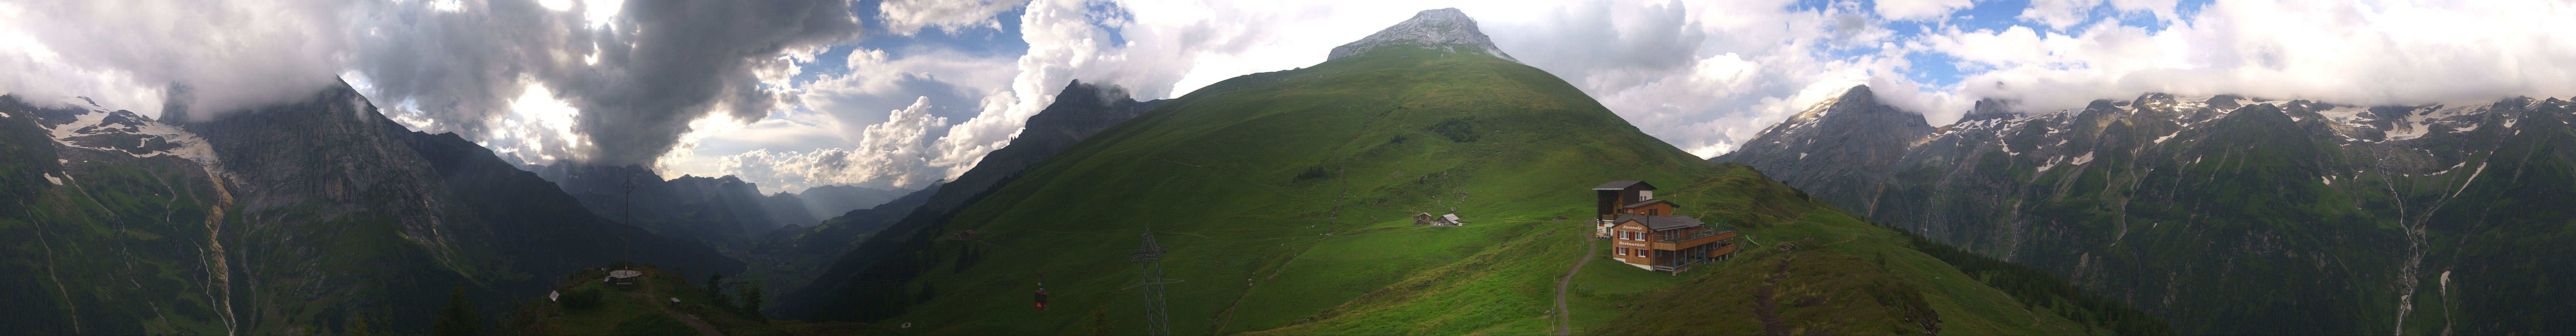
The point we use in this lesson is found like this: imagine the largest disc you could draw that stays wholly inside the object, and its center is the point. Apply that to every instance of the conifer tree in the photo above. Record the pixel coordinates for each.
(751, 302)
(458, 318)
(715, 292)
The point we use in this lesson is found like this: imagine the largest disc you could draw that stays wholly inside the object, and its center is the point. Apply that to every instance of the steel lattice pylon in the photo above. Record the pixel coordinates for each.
(1157, 320)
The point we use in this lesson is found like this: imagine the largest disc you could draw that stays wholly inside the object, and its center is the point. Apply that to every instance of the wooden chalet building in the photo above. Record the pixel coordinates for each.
(1645, 232)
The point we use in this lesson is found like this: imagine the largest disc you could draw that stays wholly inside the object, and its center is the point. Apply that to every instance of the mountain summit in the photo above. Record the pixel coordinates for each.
(1445, 28)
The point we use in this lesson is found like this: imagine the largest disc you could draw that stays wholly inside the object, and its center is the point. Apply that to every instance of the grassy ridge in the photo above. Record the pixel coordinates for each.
(646, 309)
(1284, 197)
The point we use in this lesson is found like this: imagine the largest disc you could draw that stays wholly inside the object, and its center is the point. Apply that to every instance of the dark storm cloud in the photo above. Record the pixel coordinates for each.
(660, 65)
(455, 65)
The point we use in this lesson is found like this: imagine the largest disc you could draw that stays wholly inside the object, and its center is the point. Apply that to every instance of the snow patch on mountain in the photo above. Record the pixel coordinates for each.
(125, 132)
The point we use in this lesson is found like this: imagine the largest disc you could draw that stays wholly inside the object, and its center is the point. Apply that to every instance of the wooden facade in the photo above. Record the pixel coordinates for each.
(1647, 233)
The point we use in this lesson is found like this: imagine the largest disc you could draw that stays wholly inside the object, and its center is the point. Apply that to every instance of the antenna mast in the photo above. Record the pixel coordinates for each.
(630, 199)
(1157, 320)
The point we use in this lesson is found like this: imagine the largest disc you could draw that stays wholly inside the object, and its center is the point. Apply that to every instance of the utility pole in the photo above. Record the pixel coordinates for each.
(1158, 321)
(630, 199)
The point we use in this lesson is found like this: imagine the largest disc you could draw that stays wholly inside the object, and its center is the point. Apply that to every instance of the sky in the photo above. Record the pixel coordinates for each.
(899, 94)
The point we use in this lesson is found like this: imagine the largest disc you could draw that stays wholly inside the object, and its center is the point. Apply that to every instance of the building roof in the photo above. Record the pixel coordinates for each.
(1660, 223)
(1450, 217)
(622, 274)
(1625, 185)
(1651, 201)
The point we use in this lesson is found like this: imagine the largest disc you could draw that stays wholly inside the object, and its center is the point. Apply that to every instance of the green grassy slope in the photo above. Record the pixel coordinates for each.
(646, 309)
(1284, 197)
(102, 242)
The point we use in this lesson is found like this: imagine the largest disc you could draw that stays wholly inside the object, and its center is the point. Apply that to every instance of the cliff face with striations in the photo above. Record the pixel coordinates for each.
(292, 217)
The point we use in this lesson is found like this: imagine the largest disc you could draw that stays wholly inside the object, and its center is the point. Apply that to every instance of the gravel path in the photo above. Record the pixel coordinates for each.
(1565, 319)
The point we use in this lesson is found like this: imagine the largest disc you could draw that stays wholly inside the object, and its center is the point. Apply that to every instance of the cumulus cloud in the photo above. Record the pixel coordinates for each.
(638, 76)
(907, 17)
(934, 87)
(1919, 10)
(2381, 53)
(126, 54)
(640, 79)
(1705, 76)
(888, 155)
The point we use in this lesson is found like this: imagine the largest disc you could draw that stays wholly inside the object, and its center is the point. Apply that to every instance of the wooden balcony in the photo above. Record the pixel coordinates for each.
(1678, 242)
(1723, 250)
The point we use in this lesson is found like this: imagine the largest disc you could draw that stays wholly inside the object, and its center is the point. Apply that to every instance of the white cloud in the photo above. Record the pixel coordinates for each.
(1919, 10)
(2382, 53)
(643, 73)
(907, 17)
(127, 53)
(887, 155)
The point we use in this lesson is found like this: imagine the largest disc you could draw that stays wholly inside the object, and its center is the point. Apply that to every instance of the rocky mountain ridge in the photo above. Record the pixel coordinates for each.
(2287, 215)
(301, 216)
(1446, 29)
(857, 241)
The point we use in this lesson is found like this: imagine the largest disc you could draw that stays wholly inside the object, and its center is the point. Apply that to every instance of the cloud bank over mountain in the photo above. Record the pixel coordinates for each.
(901, 93)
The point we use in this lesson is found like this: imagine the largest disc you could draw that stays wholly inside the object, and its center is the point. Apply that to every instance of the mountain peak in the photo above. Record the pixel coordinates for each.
(1990, 108)
(1445, 27)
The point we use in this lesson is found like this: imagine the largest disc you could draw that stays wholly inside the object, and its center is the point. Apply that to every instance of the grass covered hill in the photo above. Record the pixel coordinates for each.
(588, 306)
(1285, 199)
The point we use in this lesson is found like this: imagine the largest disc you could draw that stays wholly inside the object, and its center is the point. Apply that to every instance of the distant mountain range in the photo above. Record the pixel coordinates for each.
(2287, 216)
(714, 209)
(300, 217)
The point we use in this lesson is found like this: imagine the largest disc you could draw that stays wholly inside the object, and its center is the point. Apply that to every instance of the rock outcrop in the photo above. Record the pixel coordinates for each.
(1445, 28)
